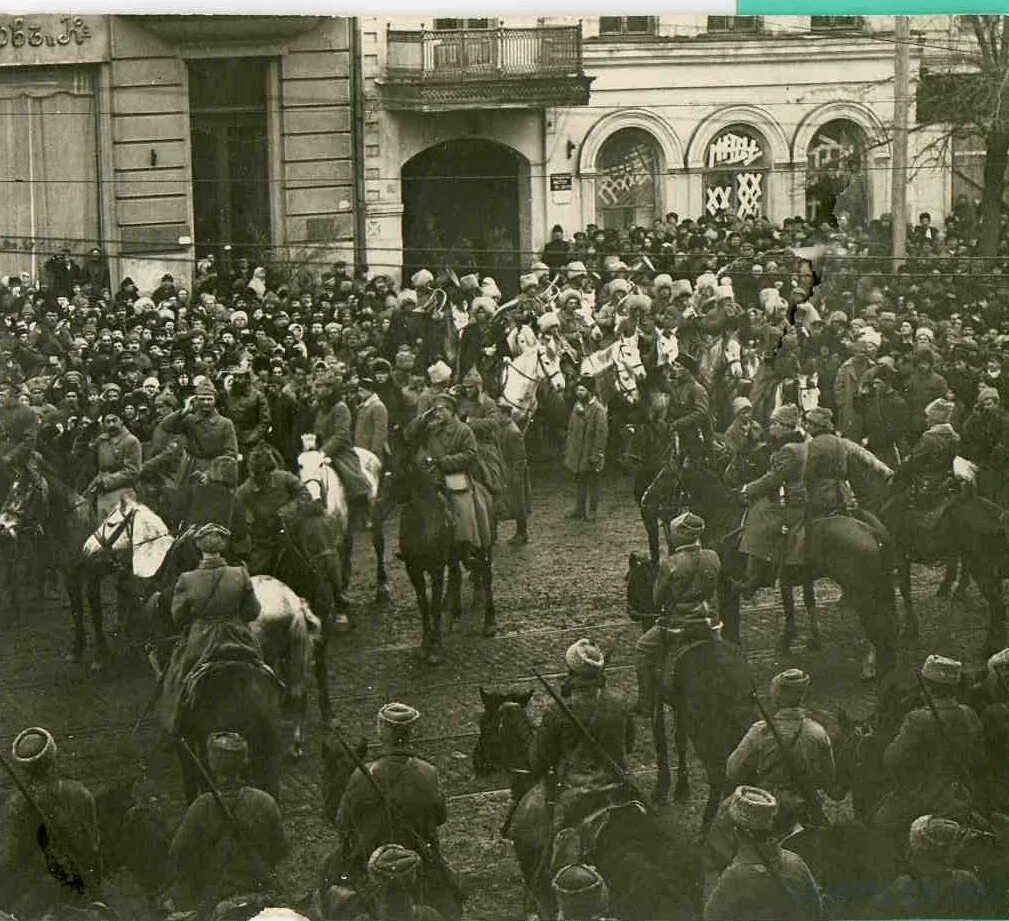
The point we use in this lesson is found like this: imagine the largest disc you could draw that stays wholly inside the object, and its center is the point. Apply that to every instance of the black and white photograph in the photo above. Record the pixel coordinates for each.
(503, 468)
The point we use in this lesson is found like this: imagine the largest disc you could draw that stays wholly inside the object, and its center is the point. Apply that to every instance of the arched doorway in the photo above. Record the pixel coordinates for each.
(836, 179)
(628, 170)
(466, 206)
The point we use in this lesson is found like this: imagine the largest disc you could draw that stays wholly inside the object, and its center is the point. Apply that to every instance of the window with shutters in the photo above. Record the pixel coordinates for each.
(835, 23)
(734, 24)
(627, 25)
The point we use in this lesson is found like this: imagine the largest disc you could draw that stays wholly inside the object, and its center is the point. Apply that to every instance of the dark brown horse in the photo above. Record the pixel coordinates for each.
(650, 872)
(964, 525)
(428, 548)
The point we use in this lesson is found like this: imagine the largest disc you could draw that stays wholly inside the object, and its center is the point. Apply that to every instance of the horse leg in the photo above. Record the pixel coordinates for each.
(454, 591)
(531, 861)
(346, 554)
(787, 602)
(716, 783)
(728, 606)
(948, 578)
(435, 652)
(809, 600)
(489, 615)
(910, 615)
(651, 523)
(963, 583)
(94, 592)
(662, 774)
(382, 595)
(991, 590)
(417, 578)
(75, 593)
(682, 792)
(320, 666)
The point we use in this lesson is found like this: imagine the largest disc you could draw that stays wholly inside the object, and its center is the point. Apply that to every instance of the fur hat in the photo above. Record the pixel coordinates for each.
(421, 278)
(942, 670)
(439, 373)
(204, 387)
(939, 411)
(998, 662)
(986, 393)
(821, 418)
(584, 658)
(528, 281)
(787, 415)
(682, 288)
(548, 321)
(34, 748)
(397, 716)
(407, 296)
(620, 286)
(739, 404)
(662, 281)
(753, 808)
(686, 528)
(790, 686)
(227, 752)
(393, 863)
(576, 268)
(469, 282)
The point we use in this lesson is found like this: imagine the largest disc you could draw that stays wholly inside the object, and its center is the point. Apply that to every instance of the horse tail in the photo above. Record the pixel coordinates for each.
(304, 635)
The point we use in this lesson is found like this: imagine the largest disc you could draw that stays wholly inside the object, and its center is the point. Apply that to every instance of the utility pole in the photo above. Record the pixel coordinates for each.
(901, 110)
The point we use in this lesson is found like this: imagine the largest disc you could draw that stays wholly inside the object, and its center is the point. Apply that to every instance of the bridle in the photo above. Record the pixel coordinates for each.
(107, 543)
(547, 375)
(630, 388)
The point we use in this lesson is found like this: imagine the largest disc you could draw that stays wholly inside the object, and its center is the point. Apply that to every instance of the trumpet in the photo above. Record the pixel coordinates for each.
(435, 301)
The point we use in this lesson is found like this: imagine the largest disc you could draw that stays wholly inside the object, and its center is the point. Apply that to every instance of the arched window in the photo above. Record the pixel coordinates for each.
(736, 165)
(836, 179)
(627, 179)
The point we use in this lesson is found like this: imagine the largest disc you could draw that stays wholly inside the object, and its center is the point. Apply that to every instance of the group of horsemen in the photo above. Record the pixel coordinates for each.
(808, 468)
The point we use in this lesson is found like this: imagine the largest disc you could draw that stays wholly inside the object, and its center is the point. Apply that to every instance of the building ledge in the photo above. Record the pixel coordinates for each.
(485, 93)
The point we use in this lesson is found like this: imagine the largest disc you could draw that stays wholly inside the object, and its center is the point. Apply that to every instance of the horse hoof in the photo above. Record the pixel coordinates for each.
(489, 628)
(785, 645)
(682, 792)
(813, 644)
(297, 751)
(660, 796)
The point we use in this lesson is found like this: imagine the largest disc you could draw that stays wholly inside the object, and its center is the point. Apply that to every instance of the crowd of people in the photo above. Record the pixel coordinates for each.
(743, 337)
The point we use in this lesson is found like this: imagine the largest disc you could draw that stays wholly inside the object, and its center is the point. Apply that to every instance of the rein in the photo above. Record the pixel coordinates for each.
(108, 543)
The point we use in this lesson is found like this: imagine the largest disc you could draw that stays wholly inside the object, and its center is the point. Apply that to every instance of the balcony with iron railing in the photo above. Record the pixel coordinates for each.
(438, 70)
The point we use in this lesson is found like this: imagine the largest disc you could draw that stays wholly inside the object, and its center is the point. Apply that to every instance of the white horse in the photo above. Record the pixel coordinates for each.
(324, 485)
(624, 357)
(134, 530)
(293, 646)
(521, 376)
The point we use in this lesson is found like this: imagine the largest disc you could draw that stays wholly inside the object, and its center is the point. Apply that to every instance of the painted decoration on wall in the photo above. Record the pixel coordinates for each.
(736, 173)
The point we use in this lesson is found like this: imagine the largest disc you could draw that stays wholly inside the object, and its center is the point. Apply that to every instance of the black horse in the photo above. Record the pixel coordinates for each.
(429, 549)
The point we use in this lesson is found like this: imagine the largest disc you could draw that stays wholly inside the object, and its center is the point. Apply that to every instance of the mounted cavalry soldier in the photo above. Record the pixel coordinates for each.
(448, 448)
(928, 469)
(392, 873)
(764, 880)
(119, 460)
(214, 604)
(270, 497)
(932, 887)
(684, 591)
(789, 755)
(777, 504)
(247, 407)
(573, 777)
(50, 861)
(937, 757)
(218, 856)
(400, 801)
(208, 434)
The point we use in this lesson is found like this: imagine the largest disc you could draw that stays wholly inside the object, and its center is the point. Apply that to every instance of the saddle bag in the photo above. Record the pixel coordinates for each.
(457, 482)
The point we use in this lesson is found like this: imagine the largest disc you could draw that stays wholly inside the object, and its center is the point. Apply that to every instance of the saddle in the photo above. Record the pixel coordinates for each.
(577, 842)
(225, 657)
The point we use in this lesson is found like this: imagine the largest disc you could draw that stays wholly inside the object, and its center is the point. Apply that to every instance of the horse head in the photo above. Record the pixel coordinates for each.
(337, 768)
(21, 508)
(505, 732)
(312, 471)
(548, 362)
(114, 534)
